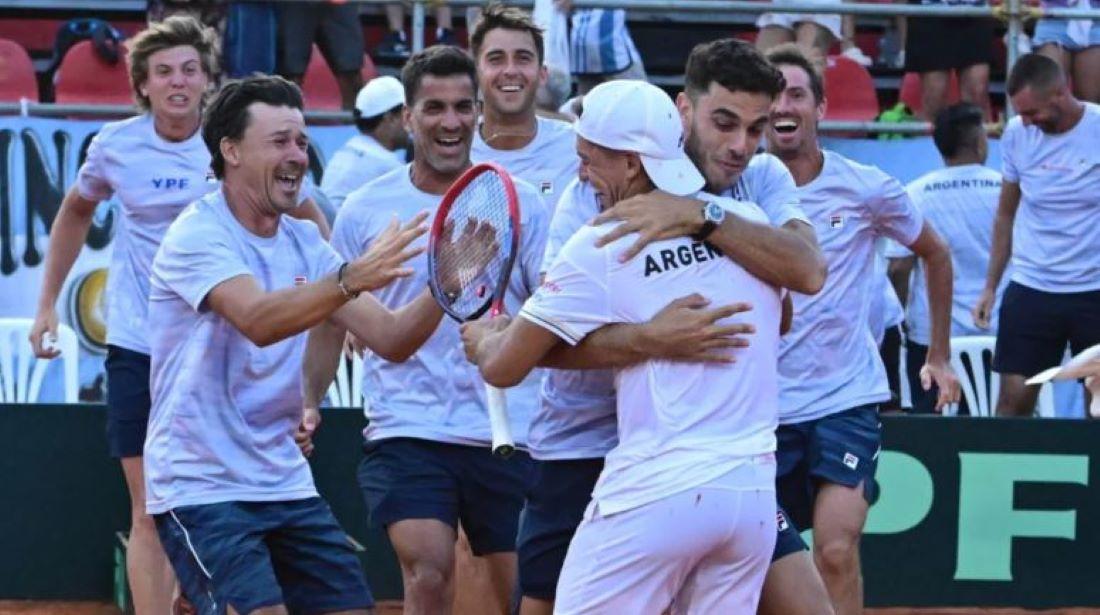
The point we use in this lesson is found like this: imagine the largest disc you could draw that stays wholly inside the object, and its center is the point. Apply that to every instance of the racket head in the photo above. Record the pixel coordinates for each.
(468, 282)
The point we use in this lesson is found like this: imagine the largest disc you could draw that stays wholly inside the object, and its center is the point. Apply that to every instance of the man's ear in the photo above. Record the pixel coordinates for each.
(230, 151)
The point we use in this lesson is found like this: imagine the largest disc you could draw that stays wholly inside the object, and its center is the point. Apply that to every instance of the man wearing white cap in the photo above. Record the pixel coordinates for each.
(375, 151)
(683, 514)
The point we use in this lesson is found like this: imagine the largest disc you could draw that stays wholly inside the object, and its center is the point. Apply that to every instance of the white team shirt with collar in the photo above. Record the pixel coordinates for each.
(829, 361)
(1055, 234)
(960, 203)
(576, 417)
(436, 394)
(154, 179)
(549, 162)
(680, 425)
(224, 410)
(357, 162)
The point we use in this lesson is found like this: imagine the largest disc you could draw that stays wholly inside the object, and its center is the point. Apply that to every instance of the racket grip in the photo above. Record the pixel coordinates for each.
(503, 445)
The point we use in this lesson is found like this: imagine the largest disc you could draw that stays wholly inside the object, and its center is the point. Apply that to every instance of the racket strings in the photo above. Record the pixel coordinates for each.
(477, 241)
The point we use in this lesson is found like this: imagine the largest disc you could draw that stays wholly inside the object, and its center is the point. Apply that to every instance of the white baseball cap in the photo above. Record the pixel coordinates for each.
(379, 96)
(635, 116)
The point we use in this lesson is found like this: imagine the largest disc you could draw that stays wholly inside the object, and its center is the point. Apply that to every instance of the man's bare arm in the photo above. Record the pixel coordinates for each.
(999, 253)
(787, 256)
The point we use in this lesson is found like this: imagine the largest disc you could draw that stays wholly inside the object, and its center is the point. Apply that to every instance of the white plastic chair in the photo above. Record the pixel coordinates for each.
(979, 391)
(19, 384)
(346, 391)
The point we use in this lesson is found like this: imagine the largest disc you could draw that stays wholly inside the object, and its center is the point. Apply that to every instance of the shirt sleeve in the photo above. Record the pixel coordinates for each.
(573, 300)
(91, 180)
(576, 206)
(1009, 164)
(777, 193)
(346, 237)
(894, 214)
(194, 258)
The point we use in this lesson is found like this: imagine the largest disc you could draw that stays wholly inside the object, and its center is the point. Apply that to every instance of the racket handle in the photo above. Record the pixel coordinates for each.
(503, 445)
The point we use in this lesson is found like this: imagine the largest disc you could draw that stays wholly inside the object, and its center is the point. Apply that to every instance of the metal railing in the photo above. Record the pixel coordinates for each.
(1013, 12)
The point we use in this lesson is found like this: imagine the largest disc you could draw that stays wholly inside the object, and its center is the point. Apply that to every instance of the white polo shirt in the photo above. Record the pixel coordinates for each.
(224, 410)
(154, 180)
(436, 394)
(680, 425)
(357, 162)
(549, 162)
(1055, 235)
(829, 361)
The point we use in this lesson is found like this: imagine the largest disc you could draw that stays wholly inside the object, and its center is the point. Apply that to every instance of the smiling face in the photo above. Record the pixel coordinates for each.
(270, 159)
(610, 173)
(176, 82)
(722, 131)
(509, 72)
(1040, 107)
(795, 114)
(441, 120)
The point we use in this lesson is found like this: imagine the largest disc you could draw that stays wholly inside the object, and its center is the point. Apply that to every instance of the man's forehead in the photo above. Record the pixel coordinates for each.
(507, 39)
(746, 105)
(270, 118)
(451, 88)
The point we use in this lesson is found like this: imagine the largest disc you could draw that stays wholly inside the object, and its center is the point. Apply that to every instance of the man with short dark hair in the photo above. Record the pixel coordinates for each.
(374, 151)
(832, 378)
(1047, 221)
(234, 286)
(428, 463)
(959, 201)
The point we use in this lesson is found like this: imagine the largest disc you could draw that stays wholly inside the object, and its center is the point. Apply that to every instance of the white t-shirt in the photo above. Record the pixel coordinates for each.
(154, 180)
(549, 162)
(1056, 233)
(767, 182)
(359, 161)
(680, 425)
(224, 410)
(829, 361)
(960, 203)
(437, 394)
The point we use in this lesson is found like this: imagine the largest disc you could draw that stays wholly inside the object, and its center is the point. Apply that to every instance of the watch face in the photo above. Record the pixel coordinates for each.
(714, 212)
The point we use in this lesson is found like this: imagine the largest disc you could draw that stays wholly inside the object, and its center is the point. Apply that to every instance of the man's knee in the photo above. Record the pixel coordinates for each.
(1015, 398)
(837, 556)
(427, 577)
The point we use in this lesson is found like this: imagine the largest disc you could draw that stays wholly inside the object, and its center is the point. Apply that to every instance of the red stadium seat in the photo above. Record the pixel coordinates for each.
(84, 77)
(910, 91)
(319, 85)
(17, 78)
(850, 91)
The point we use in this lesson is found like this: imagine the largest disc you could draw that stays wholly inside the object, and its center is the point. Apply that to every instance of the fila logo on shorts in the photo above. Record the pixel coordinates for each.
(851, 460)
(781, 521)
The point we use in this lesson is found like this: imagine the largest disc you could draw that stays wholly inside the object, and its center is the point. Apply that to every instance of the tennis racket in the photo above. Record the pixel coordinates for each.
(471, 249)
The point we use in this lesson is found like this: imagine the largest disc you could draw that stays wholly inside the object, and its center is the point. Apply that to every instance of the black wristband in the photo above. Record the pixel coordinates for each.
(340, 282)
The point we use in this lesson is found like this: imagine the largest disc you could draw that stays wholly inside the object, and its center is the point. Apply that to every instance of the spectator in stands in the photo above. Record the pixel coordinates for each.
(378, 147)
(335, 26)
(815, 33)
(936, 46)
(600, 47)
(1075, 45)
(155, 164)
(959, 201)
(211, 13)
(395, 46)
(1047, 221)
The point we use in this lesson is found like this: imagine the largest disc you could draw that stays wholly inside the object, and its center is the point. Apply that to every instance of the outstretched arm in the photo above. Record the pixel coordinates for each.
(936, 258)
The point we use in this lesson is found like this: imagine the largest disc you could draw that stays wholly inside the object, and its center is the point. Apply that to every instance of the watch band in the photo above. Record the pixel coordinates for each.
(340, 282)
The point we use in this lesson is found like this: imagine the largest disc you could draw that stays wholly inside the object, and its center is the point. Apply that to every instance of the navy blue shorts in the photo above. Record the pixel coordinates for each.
(841, 448)
(128, 401)
(788, 540)
(1035, 327)
(250, 555)
(559, 493)
(408, 478)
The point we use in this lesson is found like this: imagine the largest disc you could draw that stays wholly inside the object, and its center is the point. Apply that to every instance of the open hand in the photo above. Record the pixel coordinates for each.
(688, 330)
(940, 374)
(382, 262)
